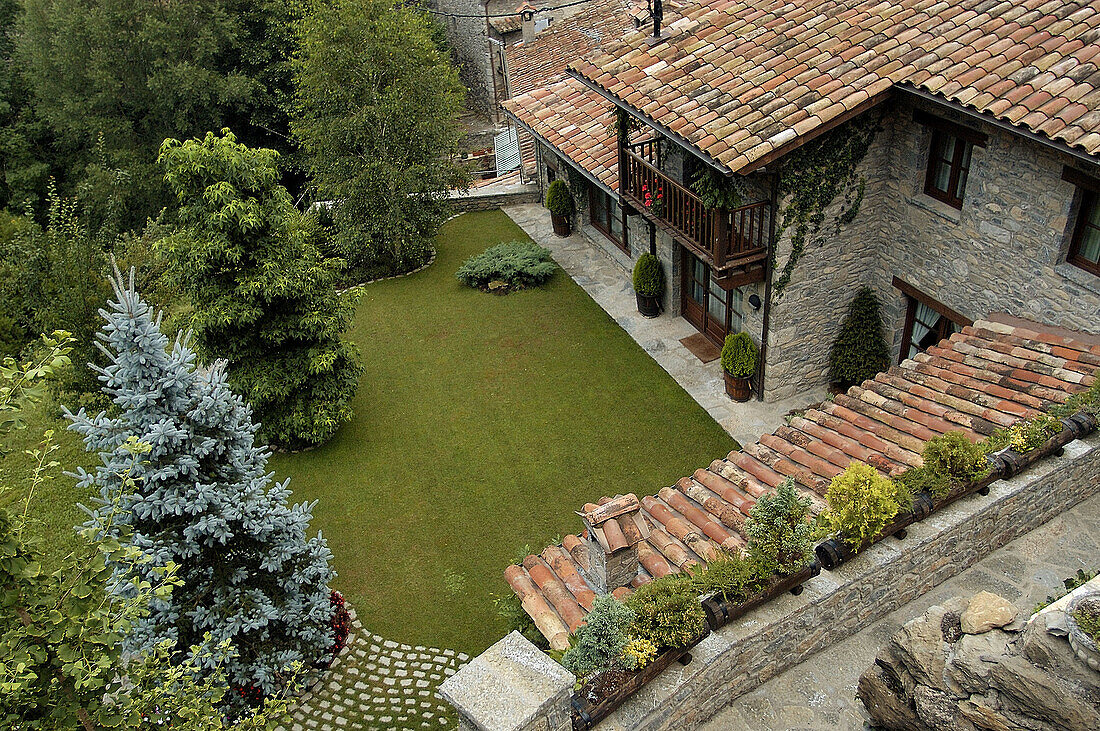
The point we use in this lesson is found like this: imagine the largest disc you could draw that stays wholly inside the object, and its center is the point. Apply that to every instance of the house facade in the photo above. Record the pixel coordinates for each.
(977, 191)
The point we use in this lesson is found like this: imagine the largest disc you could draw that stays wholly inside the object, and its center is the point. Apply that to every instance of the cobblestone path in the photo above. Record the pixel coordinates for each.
(376, 683)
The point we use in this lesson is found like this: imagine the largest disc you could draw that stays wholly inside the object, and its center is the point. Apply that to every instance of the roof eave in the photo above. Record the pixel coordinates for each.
(649, 122)
(588, 174)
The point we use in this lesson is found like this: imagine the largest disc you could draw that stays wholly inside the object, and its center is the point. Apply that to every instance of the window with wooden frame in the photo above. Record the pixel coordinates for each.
(927, 321)
(949, 157)
(1084, 246)
(606, 215)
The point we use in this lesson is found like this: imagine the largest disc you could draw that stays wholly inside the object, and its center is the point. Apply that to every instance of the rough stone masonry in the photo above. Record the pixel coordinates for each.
(973, 665)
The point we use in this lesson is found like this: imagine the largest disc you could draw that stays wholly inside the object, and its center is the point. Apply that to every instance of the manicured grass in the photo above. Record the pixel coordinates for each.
(481, 424)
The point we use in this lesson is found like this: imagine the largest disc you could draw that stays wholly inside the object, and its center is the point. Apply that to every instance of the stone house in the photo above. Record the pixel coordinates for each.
(978, 191)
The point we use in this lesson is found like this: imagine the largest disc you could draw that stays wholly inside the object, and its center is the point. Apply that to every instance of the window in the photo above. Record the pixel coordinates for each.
(948, 168)
(927, 322)
(606, 215)
(948, 157)
(1084, 247)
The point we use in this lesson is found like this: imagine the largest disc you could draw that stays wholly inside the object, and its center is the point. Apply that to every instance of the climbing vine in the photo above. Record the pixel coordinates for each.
(812, 177)
(717, 190)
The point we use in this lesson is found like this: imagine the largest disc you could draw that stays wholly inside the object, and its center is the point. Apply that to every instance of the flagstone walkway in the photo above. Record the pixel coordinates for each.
(376, 683)
(607, 284)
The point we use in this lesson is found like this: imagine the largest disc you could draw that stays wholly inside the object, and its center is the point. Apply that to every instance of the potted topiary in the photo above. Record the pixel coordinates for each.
(739, 355)
(560, 202)
(649, 283)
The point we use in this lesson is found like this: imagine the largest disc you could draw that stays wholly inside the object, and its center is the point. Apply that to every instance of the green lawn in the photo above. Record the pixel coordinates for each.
(481, 424)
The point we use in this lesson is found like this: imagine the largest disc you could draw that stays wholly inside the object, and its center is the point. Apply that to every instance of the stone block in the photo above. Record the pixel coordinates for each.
(512, 686)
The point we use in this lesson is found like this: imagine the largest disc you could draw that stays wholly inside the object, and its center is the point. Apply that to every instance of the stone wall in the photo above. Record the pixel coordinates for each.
(972, 664)
(836, 604)
(469, 39)
(1004, 251)
(492, 201)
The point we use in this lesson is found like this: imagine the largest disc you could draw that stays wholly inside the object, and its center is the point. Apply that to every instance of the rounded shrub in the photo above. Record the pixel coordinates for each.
(739, 355)
(602, 639)
(861, 502)
(513, 265)
(860, 350)
(667, 612)
(649, 279)
(559, 200)
(956, 458)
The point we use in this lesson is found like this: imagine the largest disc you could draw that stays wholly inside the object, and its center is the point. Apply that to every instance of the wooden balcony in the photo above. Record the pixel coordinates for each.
(734, 242)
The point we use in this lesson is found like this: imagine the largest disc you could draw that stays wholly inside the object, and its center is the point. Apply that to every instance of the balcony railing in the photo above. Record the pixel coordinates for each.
(725, 238)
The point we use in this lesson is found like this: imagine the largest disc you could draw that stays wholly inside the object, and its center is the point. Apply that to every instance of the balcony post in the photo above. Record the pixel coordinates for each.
(720, 247)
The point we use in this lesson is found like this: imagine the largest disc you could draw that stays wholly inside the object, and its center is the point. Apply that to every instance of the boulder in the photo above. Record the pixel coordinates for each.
(919, 646)
(987, 611)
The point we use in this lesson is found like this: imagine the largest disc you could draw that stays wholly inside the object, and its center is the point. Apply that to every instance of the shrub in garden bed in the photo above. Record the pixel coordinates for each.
(862, 502)
(505, 267)
(951, 461)
(779, 530)
(601, 642)
(1024, 436)
(667, 612)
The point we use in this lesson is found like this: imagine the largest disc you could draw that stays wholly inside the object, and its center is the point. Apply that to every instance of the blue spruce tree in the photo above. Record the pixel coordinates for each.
(204, 501)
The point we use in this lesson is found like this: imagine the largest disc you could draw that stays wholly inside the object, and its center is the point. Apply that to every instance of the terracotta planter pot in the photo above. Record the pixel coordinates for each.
(562, 226)
(738, 389)
(648, 306)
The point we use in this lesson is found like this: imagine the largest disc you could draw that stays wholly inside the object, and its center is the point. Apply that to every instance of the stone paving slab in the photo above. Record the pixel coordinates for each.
(610, 287)
(820, 693)
(377, 683)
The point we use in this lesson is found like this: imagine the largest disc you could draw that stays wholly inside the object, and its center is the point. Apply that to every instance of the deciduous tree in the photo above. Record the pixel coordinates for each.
(377, 113)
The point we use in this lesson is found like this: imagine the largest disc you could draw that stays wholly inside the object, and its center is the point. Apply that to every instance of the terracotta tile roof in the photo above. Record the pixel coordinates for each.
(575, 120)
(546, 57)
(990, 375)
(744, 81)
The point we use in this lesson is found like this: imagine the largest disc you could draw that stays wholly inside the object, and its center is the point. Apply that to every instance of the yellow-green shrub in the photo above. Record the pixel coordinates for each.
(861, 502)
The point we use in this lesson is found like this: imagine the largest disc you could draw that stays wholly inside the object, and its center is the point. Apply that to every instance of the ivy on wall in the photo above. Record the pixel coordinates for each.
(815, 175)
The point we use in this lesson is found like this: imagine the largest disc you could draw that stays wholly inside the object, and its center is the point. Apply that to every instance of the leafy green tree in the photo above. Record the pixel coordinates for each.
(860, 350)
(136, 72)
(250, 575)
(24, 141)
(52, 279)
(264, 298)
(377, 108)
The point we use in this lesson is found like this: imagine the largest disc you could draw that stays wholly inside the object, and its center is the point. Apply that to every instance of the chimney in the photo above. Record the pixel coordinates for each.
(657, 12)
(614, 531)
(527, 15)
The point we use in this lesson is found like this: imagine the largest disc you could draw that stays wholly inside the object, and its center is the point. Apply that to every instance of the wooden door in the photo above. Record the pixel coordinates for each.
(703, 302)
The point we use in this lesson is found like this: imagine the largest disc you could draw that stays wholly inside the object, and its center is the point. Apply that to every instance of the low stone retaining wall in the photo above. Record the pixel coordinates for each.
(491, 201)
(781, 634)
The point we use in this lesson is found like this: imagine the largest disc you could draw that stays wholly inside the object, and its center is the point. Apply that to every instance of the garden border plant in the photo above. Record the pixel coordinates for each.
(507, 267)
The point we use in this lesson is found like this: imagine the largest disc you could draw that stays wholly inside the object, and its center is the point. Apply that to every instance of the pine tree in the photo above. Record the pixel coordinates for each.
(264, 298)
(860, 350)
(204, 502)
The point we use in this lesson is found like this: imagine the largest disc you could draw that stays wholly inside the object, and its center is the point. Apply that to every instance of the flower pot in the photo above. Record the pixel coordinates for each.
(737, 388)
(562, 226)
(648, 306)
(1083, 645)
